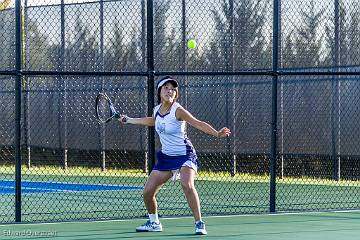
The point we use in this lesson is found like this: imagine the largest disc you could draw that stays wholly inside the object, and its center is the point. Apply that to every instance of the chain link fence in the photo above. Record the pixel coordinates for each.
(62, 53)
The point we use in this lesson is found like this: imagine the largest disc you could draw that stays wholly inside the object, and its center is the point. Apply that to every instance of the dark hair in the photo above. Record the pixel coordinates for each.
(159, 90)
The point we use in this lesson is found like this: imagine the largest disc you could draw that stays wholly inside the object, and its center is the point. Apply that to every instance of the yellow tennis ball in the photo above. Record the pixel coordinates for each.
(191, 44)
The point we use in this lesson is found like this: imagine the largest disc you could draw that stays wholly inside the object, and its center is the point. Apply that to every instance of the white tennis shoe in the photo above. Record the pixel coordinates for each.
(149, 227)
(200, 228)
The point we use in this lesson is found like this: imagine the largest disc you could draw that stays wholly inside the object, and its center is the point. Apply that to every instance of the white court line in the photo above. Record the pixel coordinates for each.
(67, 183)
(176, 218)
(42, 189)
(56, 190)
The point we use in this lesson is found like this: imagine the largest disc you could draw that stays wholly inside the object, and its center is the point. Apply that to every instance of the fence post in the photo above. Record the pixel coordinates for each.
(144, 61)
(64, 84)
(183, 49)
(26, 97)
(18, 62)
(335, 108)
(151, 74)
(103, 133)
(273, 156)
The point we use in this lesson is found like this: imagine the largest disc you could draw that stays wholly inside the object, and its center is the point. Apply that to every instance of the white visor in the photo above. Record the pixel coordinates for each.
(162, 82)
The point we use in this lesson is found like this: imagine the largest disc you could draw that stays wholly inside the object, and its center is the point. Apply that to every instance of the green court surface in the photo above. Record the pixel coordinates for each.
(308, 225)
(46, 197)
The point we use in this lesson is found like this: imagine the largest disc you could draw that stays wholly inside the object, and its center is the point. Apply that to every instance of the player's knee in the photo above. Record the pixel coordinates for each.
(148, 194)
(187, 186)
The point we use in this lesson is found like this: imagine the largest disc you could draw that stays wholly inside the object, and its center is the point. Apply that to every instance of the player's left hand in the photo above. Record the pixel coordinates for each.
(124, 119)
(224, 132)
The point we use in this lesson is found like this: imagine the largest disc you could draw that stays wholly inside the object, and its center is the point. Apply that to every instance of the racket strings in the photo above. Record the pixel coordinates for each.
(103, 109)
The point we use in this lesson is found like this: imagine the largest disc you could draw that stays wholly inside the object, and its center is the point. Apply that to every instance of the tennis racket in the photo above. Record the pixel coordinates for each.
(105, 110)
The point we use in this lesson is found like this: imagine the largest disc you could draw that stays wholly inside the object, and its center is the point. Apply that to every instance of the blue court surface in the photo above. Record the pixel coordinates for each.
(8, 187)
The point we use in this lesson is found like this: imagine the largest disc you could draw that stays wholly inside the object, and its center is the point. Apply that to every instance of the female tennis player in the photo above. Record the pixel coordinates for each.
(177, 158)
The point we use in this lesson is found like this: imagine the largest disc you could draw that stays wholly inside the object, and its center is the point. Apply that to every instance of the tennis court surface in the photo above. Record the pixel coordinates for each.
(310, 225)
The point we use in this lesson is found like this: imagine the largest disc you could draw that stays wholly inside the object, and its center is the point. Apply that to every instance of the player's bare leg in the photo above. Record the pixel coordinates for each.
(187, 176)
(154, 183)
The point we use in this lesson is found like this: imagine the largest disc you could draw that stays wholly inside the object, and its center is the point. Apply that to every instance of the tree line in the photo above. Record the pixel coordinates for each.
(242, 39)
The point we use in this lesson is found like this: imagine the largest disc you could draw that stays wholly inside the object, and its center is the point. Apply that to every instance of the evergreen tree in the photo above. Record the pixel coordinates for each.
(349, 38)
(82, 53)
(342, 44)
(37, 52)
(309, 39)
(308, 100)
(354, 35)
(251, 46)
(288, 53)
(216, 56)
(7, 49)
(162, 44)
(122, 56)
(239, 38)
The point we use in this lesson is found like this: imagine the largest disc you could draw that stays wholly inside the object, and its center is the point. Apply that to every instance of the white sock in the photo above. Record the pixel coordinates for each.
(154, 217)
(196, 222)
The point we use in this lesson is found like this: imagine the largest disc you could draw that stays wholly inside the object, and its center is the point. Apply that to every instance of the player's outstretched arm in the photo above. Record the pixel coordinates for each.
(147, 121)
(183, 114)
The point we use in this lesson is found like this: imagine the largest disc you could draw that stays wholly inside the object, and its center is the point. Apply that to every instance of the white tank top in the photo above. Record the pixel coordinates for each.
(172, 132)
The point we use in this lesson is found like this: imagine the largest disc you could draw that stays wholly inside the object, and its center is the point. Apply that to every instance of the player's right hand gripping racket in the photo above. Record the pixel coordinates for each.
(105, 110)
